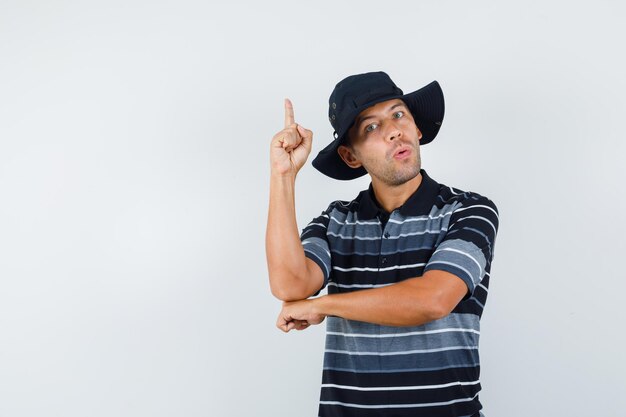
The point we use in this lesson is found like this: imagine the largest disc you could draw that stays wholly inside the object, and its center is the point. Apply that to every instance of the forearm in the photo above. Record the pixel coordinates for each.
(412, 302)
(402, 304)
(285, 254)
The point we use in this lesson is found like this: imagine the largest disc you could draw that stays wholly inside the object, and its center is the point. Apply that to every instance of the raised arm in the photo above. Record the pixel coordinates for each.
(292, 275)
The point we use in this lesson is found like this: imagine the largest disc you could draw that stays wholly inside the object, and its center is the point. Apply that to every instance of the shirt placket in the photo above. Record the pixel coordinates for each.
(384, 258)
(385, 243)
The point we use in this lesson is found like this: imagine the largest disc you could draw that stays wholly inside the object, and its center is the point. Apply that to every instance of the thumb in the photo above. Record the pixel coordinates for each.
(307, 137)
(305, 133)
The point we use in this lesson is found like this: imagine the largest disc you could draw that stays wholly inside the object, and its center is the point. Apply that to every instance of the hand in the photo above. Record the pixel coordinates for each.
(291, 146)
(298, 315)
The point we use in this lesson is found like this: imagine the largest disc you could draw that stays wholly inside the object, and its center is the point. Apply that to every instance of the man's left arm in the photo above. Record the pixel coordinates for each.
(411, 302)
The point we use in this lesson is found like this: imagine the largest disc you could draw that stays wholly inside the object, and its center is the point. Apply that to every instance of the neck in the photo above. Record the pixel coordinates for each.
(391, 197)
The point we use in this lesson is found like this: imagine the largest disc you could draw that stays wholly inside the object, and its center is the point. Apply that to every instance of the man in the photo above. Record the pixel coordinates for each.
(406, 262)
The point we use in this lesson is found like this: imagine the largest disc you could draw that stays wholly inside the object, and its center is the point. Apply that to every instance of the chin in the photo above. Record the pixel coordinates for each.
(395, 177)
(401, 177)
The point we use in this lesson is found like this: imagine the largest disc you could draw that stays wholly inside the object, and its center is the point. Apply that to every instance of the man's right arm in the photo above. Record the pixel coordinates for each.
(292, 275)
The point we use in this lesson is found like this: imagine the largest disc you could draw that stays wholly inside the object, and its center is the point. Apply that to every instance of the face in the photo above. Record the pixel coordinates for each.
(385, 141)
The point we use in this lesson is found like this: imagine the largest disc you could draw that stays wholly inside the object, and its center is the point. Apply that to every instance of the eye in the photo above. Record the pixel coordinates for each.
(398, 114)
(371, 127)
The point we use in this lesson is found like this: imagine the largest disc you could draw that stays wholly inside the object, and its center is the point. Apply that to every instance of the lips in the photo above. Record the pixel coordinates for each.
(402, 152)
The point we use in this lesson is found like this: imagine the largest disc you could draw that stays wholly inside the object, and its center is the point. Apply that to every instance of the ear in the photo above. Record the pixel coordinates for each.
(419, 134)
(348, 156)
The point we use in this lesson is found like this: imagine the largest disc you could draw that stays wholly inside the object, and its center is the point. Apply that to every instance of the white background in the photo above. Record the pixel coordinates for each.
(134, 187)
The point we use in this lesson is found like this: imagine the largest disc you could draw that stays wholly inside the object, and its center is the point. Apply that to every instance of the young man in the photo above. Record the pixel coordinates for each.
(406, 262)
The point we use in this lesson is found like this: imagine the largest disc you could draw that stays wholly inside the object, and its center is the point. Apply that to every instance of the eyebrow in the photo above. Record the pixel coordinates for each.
(360, 119)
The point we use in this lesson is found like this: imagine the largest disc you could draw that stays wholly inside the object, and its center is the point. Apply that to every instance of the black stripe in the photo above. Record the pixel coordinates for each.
(455, 410)
(439, 395)
(442, 376)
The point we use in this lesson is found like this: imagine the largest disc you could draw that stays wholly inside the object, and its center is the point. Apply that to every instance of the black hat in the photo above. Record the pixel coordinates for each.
(356, 93)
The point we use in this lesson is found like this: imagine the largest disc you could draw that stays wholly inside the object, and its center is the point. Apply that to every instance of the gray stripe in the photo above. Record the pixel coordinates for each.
(355, 232)
(419, 361)
(402, 343)
(464, 255)
(321, 243)
(402, 352)
(480, 233)
(318, 248)
(437, 219)
(369, 235)
(454, 320)
(392, 371)
(398, 225)
(374, 222)
(435, 215)
(342, 217)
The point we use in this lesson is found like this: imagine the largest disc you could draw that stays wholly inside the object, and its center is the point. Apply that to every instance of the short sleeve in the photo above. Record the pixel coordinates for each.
(315, 243)
(467, 248)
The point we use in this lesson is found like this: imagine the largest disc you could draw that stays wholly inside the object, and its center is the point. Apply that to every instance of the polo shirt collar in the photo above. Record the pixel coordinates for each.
(419, 203)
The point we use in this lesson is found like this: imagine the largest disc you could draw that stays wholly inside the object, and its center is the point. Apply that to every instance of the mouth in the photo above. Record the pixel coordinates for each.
(402, 152)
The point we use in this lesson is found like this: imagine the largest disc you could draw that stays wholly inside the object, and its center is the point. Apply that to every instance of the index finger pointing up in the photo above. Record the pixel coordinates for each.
(289, 119)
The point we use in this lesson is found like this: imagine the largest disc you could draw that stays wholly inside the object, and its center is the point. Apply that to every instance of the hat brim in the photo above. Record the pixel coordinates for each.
(427, 107)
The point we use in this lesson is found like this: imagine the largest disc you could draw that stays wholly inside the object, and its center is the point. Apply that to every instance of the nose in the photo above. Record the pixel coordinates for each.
(393, 132)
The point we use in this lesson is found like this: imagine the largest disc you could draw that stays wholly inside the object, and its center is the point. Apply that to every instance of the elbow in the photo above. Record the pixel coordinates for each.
(438, 311)
(435, 308)
(284, 294)
(278, 291)
(287, 290)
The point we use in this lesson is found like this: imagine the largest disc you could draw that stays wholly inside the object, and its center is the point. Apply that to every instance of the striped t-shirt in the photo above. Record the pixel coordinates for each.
(429, 370)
